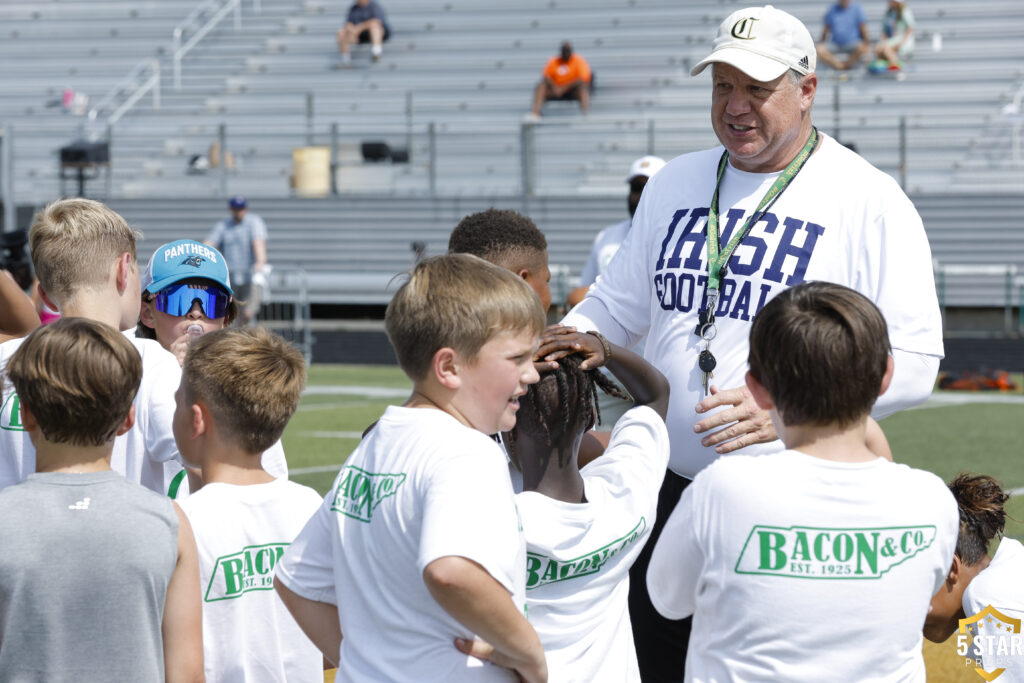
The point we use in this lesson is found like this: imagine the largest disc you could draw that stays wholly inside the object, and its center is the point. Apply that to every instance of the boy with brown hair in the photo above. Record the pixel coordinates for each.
(239, 388)
(120, 600)
(84, 257)
(822, 557)
(419, 544)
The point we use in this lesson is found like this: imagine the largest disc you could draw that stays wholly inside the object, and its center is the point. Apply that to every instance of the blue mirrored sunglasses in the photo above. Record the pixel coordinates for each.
(177, 300)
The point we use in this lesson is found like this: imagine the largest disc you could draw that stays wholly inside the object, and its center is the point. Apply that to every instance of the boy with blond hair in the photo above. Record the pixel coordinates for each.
(98, 576)
(419, 544)
(239, 388)
(84, 258)
(821, 558)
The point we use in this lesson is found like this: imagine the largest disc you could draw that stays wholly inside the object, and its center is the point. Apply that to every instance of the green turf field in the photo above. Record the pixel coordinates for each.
(944, 436)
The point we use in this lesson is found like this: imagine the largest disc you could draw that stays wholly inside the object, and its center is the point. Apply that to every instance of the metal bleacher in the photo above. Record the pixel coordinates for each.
(453, 85)
(468, 68)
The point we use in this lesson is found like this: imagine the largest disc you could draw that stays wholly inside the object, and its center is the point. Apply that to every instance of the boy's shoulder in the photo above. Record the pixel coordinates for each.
(280, 491)
(124, 496)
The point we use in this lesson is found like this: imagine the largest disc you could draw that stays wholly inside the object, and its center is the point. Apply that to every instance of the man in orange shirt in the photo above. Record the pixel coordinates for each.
(566, 77)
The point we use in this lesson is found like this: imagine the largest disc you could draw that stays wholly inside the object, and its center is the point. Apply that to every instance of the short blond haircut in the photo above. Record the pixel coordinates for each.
(74, 242)
(78, 377)
(458, 301)
(249, 379)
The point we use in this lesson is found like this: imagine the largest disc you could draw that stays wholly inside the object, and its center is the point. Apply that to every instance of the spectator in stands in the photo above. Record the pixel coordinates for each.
(566, 77)
(846, 24)
(366, 23)
(897, 42)
(242, 239)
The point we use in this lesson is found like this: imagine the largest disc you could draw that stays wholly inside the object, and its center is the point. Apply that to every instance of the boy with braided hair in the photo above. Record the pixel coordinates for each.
(975, 580)
(585, 526)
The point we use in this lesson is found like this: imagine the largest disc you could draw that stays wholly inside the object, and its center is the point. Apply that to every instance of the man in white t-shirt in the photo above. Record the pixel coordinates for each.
(419, 547)
(585, 526)
(84, 256)
(243, 518)
(814, 210)
(819, 560)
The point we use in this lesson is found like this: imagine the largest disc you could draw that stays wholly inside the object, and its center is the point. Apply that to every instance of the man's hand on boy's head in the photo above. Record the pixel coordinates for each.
(559, 341)
(744, 423)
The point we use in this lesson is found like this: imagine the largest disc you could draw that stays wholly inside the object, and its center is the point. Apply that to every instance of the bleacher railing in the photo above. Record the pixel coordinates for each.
(194, 27)
(143, 79)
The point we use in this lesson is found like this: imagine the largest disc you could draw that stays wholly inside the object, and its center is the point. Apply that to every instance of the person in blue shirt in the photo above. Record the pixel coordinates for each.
(846, 24)
(365, 23)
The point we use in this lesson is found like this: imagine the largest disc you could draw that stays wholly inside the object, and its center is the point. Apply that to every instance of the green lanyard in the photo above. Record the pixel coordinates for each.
(718, 258)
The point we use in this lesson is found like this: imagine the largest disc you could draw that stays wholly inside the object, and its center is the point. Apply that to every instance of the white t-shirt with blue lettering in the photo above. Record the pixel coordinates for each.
(241, 532)
(579, 555)
(797, 568)
(420, 486)
(841, 220)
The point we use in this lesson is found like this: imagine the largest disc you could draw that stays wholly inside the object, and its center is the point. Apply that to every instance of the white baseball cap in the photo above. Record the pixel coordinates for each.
(762, 42)
(645, 166)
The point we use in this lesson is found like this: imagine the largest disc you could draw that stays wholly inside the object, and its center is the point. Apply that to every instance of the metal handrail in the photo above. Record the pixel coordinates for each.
(220, 9)
(130, 90)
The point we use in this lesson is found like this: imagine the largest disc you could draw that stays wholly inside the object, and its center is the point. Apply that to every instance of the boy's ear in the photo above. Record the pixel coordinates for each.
(200, 419)
(46, 298)
(125, 270)
(129, 421)
(28, 420)
(761, 396)
(890, 367)
(445, 367)
(524, 273)
(146, 314)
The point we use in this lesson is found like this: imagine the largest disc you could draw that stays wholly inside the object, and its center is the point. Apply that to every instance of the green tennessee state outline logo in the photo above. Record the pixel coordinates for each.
(358, 492)
(10, 416)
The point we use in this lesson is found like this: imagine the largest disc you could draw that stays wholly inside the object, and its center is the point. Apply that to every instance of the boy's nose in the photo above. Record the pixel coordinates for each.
(196, 311)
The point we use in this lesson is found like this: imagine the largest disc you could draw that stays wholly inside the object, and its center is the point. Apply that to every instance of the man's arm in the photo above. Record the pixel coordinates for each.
(318, 620)
(259, 254)
(183, 612)
(865, 38)
(476, 600)
(744, 424)
(912, 382)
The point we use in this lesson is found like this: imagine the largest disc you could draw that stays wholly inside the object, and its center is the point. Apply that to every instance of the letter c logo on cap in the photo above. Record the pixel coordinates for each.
(744, 29)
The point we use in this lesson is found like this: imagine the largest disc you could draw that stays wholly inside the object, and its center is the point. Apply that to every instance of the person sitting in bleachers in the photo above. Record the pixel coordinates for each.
(566, 77)
(366, 23)
(846, 24)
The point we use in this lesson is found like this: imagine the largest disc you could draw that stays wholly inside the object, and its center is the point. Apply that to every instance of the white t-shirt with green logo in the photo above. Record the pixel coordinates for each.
(145, 454)
(802, 569)
(579, 555)
(420, 486)
(1000, 585)
(241, 532)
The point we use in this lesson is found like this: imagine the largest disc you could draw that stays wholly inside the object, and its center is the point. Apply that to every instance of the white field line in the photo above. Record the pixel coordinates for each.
(346, 390)
(942, 400)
